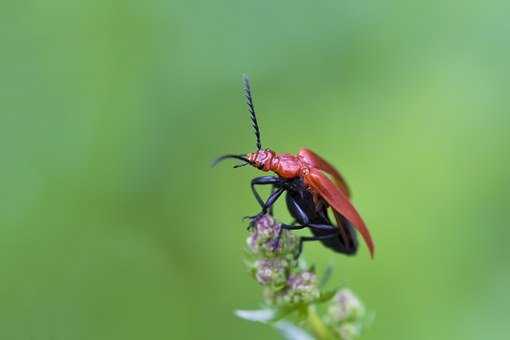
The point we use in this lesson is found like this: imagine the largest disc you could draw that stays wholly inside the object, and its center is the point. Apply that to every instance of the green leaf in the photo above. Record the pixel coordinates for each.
(325, 296)
(326, 276)
(282, 312)
(287, 329)
(292, 332)
(267, 315)
(259, 315)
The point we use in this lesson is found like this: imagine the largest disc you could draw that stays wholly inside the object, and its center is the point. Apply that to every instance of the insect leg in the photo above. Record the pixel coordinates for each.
(314, 238)
(272, 199)
(273, 188)
(292, 226)
(268, 204)
(333, 229)
(304, 219)
(264, 180)
(310, 225)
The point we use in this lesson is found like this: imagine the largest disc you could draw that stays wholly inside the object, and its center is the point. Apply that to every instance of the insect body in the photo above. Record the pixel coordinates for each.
(308, 211)
(303, 207)
(310, 192)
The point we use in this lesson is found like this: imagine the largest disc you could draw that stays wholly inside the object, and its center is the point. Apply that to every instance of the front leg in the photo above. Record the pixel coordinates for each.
(273, 188)
(268, 204)
(279, 186)
(277, 182)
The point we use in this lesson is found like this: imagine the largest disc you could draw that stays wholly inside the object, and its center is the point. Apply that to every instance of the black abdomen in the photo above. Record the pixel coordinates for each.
(302, 207)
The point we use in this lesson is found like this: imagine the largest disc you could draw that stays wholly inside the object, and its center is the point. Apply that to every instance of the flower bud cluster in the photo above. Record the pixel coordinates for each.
(346, 314)
(268, 240)
(302, 287)
(276, 266)
(288, 283)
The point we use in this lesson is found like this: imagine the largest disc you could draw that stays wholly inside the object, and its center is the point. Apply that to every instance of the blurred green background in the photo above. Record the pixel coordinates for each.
(113, 225)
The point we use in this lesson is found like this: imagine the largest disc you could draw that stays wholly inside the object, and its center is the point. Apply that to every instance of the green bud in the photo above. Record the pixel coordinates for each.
(349, 331)
(345, 306)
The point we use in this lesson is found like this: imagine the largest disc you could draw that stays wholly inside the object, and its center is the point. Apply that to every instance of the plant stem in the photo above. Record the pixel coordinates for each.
(317, 325)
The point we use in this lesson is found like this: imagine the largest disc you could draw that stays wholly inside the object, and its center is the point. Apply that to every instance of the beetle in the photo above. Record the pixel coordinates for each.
(310, 192)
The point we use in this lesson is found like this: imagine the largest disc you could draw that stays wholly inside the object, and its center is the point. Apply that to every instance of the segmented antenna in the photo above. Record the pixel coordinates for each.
(251, 108)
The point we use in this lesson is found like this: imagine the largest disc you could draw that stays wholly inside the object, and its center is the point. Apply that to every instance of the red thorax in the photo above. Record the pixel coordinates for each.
(285, 165)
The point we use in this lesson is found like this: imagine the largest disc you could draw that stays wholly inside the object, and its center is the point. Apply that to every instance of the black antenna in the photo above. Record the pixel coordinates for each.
(251, 108)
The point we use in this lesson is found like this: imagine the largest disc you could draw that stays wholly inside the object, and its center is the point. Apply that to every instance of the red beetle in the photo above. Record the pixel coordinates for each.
(309, 169)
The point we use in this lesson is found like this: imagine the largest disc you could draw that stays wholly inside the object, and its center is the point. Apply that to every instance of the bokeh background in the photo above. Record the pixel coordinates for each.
(113, 225)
